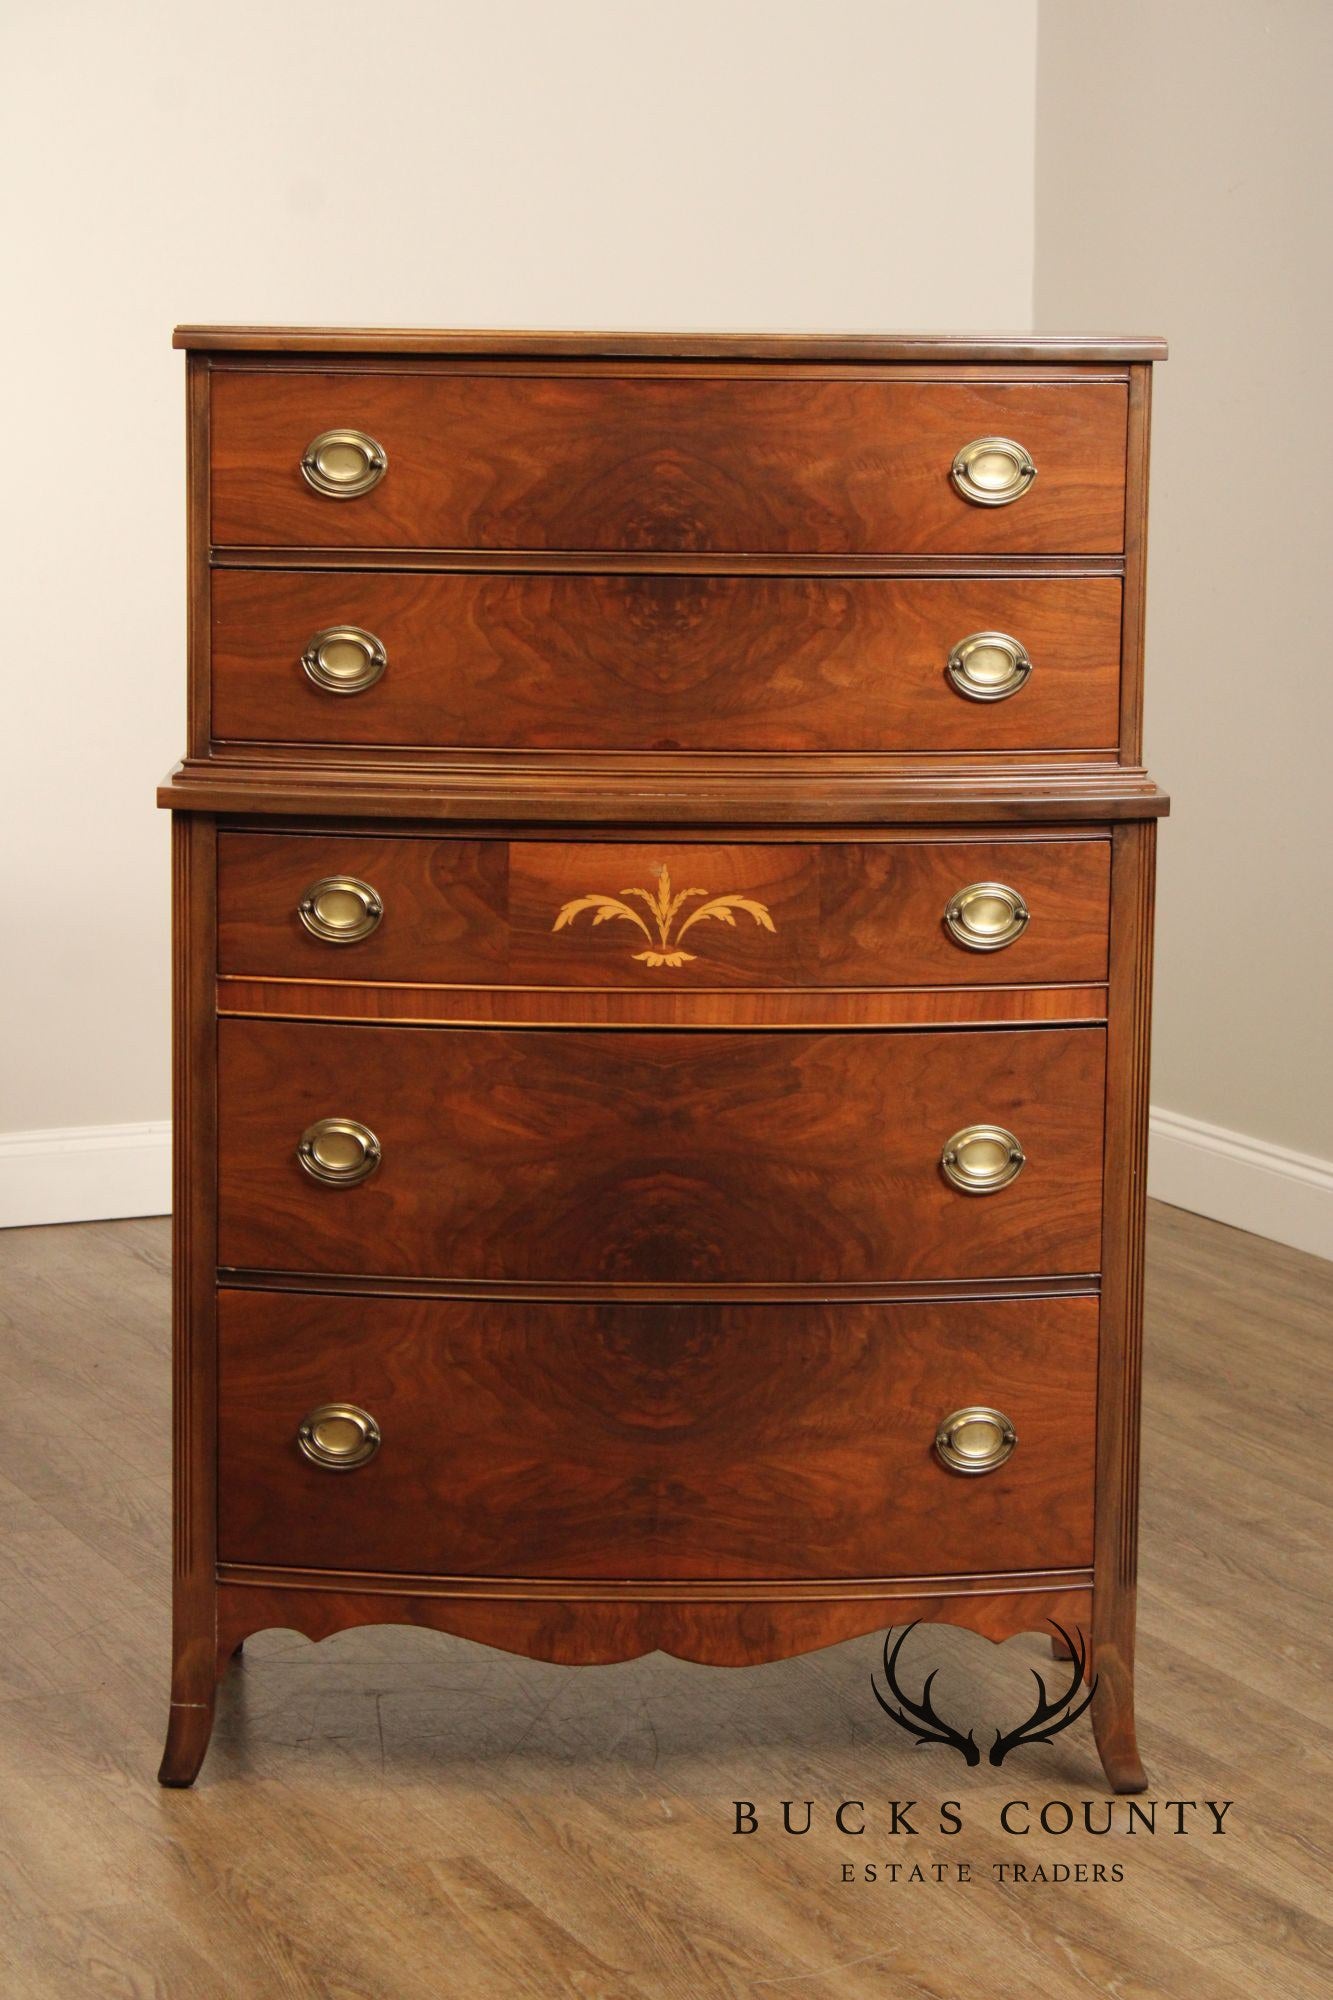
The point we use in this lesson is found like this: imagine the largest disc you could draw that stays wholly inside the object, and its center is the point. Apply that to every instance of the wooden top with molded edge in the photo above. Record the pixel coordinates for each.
(570, 344)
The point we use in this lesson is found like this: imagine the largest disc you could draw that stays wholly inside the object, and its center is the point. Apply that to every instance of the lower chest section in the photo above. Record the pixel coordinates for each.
(662, 1210)
(663, 881)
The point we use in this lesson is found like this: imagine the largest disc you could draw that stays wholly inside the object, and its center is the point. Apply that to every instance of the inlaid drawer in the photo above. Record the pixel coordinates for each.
(679, 914)
(684, 461)
(666, 662)
(655, 1441)
(657, 1157)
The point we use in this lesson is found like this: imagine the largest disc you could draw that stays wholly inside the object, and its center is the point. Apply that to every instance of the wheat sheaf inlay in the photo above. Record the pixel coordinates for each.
(664, 909)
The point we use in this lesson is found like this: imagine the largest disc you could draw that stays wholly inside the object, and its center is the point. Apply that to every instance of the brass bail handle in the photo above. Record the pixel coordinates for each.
(339, 1152)
(988, 666)
(993, 471)
(343, 464)
(975, 1440)
(338, 1437)
(981, 1159)
(340, 909)
(986, 916)
(344, 659)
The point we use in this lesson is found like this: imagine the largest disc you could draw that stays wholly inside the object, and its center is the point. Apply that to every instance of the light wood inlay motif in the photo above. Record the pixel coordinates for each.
(669, 915)
(841, 913)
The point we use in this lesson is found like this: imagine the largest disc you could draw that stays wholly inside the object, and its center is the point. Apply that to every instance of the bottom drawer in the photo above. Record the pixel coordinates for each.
(654, 1441)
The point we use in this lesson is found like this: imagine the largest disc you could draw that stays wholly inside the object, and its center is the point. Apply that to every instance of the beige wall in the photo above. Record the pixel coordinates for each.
(733, 163)
(1183, 169)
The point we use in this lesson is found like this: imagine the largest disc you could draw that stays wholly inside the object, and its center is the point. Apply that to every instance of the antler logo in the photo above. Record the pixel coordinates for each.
(664, 908)
(1047, 1719)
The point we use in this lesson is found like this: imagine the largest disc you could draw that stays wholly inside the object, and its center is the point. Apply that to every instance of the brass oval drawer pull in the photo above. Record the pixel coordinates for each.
(986, 916)
(340, 909)
(338, 1151)
(344, 659)
(982, 1158)
(338, 1437)
(343, 464)
(992, 471)
(988, 666)
(975, 1440)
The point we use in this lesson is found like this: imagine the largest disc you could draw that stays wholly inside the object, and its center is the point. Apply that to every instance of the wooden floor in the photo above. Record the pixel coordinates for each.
(397, 1814)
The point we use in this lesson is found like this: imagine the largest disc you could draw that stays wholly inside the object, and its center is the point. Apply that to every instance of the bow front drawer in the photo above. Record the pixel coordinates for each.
(680, 463)
(677, 917)
(638, 1157)
(653, 662)
(655, 1441)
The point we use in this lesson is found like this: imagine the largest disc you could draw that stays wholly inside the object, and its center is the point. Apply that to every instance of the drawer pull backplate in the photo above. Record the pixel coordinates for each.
(986, 916)
(338, 1437)
(982, 1158)
(340, 909)
(344, 659)
(993, 471)
(975, 1440)
(338, 1151)
(988, 666)
(343, 464)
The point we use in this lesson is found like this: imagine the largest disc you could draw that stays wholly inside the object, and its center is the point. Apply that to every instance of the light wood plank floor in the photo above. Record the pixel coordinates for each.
(396, 1814)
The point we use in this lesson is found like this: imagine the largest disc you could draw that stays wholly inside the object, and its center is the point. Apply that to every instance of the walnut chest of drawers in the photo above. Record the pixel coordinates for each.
(663, 878)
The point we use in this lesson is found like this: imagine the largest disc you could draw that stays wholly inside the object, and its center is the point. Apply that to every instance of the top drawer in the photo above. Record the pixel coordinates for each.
(755, 464)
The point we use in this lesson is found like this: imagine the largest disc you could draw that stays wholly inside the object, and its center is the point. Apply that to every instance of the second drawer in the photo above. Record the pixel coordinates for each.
(629, 1157)
(776, 663)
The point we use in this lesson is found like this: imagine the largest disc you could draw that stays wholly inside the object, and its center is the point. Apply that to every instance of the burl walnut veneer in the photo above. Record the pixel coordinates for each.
(663, 885)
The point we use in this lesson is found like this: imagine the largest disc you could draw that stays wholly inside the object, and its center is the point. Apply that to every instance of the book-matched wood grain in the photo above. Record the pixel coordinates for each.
(659, 1290)
(666, 662)
(563, 460)
(485, 912)
(656, 1441)
(659, 1157)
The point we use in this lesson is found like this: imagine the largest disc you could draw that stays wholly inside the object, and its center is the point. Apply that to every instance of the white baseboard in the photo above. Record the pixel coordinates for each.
(1269, 1190)
(85, 1173)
